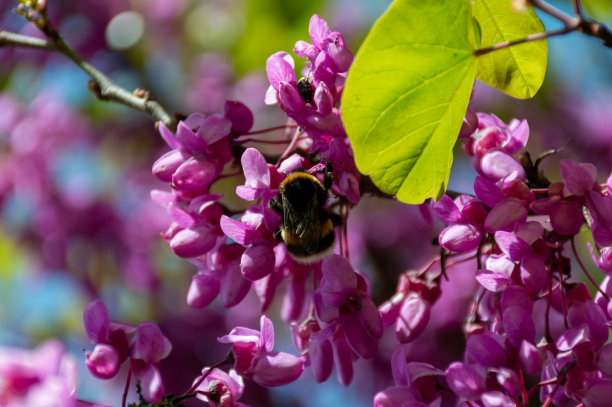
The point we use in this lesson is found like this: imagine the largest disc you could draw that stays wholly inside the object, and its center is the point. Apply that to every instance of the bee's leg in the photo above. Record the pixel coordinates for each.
(276, 205)
(278, 235)
(328, 179)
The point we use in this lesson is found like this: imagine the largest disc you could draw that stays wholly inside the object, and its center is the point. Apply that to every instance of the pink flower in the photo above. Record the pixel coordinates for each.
(44, 377)
(254, 357)
(342, 299)
(111, 340)
(147, 348)
(220, 389)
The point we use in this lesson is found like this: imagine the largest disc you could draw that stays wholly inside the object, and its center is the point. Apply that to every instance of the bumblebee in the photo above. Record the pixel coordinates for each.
(307, 228)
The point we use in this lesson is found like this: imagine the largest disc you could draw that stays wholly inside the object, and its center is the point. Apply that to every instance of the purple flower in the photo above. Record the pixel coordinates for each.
(111, 338)
(254, 357)
(200, 149)
(465, 217)
(341, 300)
(323, 40)
(415, 384)
(44, 377)
(221, 389)
(465, 380)
(147, 348)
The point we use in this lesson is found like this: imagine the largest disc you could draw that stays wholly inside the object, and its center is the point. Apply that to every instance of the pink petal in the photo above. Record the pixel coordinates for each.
(169, 137)
(460, 237)
(530, 358)
(511, 245)
(186, 136)
(343, 357)
(193, 242)
(149, 344)
(338, 281)
(203, 290)
(151, 384)
(518, 325)
(257, 262)
(486, 349)
(566, 218)
(234, 287)
(498, 165)
(103, 362)
(214, 128)
(496, 399)
(267, 334)
(413, 318)
(493, 281)
(255, 168)
(318, 31)
(465, 381)
(196, 174)
(235, 230)
(578, 178)
(168, 163)
(488, 192)
(239, 115)
(277, 369)
(505, 215)
(358, 336)
(279, 69)
(95, 319)
(370, 317)
(446, 210)
(398, 396)
(321, 360)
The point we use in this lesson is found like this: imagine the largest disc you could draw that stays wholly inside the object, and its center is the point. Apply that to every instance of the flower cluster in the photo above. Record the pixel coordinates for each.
(337, 322)
(528, 321)
(145, 346)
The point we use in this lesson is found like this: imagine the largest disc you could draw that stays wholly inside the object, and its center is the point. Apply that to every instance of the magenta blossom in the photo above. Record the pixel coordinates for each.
(221, 389)
(44, 377)
(145, 346)
(111, 338)
(254, 357)
(415, 384)
(342, 300)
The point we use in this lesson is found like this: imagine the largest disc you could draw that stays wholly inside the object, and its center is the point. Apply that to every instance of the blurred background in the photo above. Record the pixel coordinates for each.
(77, 222)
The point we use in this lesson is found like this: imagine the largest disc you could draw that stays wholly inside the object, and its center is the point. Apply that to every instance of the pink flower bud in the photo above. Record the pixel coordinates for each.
(321, 359)
(413, 318)
(203, 290)
(257, 262)
(168, 163)
(103, 362)
(277, 369)
(196, 174)
(465, 380)
(193, 242)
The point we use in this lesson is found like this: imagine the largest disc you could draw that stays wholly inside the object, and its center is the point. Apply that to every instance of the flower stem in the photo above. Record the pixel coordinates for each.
(586, 273)
(127, 387)
(269, 129)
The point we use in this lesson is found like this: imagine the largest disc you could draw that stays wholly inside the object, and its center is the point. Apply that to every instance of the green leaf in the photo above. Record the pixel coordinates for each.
(517, 70)
(406, 94)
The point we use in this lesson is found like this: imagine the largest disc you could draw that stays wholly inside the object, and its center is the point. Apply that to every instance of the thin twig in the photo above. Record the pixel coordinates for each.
(8, 38)
(584, 25)
(529, 38)
(100, 84)
(127, 388)
(586, 272)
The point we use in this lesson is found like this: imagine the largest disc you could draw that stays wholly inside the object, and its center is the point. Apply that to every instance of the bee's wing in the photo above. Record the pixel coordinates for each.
(308, 228)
